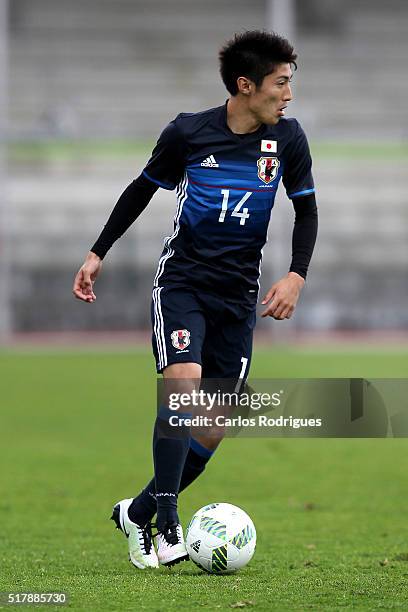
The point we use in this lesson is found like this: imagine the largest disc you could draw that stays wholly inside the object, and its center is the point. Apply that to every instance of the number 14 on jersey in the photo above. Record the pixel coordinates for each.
(241, 213)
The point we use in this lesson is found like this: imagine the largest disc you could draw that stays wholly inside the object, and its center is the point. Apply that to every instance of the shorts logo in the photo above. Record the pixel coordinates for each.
(180, 339)
(268, 168)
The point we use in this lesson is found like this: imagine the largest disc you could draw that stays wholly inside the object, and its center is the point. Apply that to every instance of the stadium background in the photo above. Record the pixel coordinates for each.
(85, 88)
(93, 83)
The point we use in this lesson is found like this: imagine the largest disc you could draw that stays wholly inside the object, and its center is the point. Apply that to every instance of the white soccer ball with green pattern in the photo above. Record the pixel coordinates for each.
(220, 538)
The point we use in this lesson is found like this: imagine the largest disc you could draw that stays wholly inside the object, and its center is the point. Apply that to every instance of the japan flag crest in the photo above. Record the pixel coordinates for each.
(268, 168)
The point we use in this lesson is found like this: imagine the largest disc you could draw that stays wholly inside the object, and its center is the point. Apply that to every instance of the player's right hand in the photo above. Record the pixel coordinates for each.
(87, 273)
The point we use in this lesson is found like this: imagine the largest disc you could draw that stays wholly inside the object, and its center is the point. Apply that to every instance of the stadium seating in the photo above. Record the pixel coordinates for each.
(101, 69)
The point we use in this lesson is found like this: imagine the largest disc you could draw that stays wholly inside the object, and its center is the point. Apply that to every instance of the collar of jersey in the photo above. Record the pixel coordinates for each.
(240, 137)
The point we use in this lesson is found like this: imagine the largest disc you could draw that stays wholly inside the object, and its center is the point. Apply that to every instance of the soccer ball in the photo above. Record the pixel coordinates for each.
(220, 538)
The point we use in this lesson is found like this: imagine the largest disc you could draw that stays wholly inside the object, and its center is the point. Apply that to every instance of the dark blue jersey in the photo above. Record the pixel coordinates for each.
(226, 185)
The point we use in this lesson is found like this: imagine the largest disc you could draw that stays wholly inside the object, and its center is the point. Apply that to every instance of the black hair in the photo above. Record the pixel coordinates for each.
(253, 54)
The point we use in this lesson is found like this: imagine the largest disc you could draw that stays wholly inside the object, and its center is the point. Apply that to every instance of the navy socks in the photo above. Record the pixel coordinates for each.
(145, 506)
(170, 448)
(197, 458)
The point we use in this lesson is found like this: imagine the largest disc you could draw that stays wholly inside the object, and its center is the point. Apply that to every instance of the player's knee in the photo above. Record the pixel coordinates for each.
(183, 370)
(181, 379)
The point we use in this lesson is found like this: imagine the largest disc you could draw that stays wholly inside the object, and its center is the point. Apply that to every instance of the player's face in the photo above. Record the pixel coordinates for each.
(268, 101)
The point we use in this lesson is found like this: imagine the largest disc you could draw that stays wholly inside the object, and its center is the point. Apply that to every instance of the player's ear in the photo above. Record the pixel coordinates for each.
(245, 86)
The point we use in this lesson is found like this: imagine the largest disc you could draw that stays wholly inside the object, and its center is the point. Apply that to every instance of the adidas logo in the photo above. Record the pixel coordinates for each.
(210, 162)
(196, 546)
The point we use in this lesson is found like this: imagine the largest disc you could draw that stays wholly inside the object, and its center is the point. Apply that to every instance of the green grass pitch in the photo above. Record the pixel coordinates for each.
(331, 515)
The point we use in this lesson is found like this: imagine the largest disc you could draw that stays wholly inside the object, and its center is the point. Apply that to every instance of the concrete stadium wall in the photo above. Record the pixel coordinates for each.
(357, 278)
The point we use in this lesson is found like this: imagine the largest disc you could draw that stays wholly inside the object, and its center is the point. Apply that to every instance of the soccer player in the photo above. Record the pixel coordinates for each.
(225, 164)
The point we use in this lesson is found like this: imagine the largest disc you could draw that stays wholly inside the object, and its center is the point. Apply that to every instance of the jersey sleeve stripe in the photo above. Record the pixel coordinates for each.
(300, 193)
(159, 183)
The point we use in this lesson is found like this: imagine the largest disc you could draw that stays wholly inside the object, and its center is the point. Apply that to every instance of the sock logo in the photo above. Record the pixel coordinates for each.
(166, 495)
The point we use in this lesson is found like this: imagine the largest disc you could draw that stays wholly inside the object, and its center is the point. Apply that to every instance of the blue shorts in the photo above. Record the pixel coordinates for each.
(201, 328)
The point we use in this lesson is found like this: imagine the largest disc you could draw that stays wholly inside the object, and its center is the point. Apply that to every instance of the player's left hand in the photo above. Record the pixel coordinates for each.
(282, 297)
